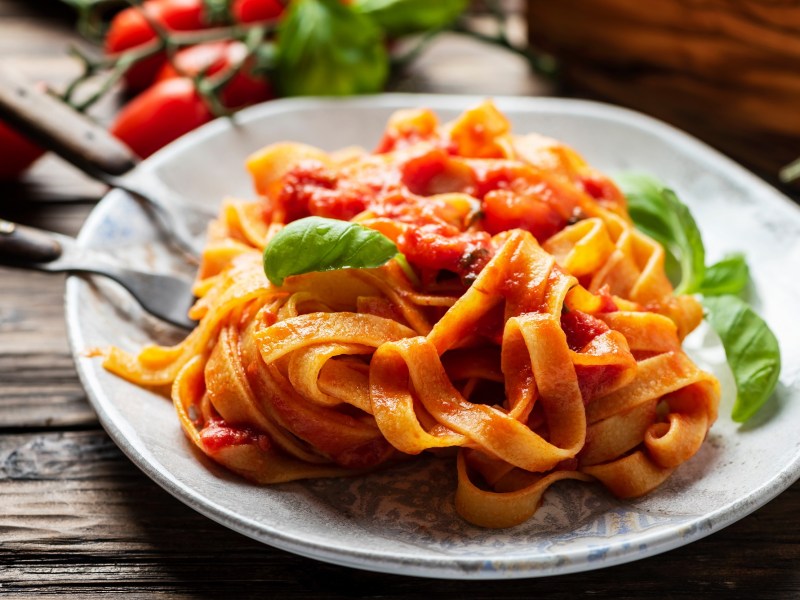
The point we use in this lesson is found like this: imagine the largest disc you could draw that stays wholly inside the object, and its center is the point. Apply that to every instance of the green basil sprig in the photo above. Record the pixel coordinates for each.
(325, 48)
(318, 244)
(657, 211)
(403, 17)
(750, 346)
(752, 351)
(728, 276)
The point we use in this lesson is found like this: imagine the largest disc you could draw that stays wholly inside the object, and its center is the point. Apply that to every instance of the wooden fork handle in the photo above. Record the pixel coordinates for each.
(56, 126)
(26, 246)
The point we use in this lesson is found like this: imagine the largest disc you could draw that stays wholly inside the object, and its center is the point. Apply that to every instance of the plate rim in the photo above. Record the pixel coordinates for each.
(477, 567)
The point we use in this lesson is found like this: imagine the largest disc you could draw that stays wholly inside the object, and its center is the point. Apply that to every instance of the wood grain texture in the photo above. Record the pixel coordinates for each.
(724, 71)
(78, 518)
(38, 383)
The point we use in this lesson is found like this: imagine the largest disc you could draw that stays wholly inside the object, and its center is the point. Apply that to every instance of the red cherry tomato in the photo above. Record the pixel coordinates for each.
(130, 29)
(215, 57)
(252, 11)
(160, 114)
(16, 153)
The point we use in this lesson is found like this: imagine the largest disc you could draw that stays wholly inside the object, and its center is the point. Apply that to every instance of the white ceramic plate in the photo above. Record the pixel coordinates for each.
(402, 520)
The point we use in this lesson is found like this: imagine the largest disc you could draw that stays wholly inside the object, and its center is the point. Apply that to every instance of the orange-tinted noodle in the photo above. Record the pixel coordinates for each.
(540, 337)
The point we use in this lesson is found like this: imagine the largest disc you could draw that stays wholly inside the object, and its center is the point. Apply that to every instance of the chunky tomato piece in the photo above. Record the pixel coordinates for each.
(311, 189)
(299, 185)
(581, 328)
(218, 435)
(436, 172)
(343, 204)
(504, 210)
(602, 189)
(418, 171)
(525, 179)
(442, 247)
(607, 305)
(522, 197)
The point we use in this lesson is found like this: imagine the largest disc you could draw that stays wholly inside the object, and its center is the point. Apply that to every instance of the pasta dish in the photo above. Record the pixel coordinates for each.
(524, 330)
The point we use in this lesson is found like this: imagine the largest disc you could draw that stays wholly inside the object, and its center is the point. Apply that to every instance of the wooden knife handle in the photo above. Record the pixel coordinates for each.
(58, 127)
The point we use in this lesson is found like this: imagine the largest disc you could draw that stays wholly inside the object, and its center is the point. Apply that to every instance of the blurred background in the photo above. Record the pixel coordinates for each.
(724, 71)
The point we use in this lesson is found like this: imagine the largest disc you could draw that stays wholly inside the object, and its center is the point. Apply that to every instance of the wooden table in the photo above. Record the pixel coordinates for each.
(77, 517)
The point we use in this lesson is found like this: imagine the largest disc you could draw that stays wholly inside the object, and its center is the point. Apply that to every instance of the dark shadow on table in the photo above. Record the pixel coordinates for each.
(193, 555)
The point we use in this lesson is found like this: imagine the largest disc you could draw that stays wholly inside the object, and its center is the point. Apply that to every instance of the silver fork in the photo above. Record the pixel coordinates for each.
(167, 297)
(79, 140)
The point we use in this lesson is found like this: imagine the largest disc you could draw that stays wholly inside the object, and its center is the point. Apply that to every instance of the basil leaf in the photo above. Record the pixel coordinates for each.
(325, 48)
(751, 348)
(318, 244)
(403, 17)
(728, 276)
(657, 211)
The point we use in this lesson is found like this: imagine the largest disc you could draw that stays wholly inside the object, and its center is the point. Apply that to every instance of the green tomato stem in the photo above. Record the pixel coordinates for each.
(540, 63)
(790, 172)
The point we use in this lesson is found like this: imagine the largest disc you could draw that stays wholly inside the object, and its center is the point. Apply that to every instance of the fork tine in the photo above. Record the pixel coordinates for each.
(167, 297)
(185, 224)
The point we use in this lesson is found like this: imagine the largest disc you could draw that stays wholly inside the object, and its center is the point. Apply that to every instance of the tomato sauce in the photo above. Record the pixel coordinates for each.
(218, 435)
(581, 328)
(408, 191)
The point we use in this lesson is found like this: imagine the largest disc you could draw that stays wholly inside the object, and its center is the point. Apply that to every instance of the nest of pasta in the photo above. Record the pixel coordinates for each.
(536, 334)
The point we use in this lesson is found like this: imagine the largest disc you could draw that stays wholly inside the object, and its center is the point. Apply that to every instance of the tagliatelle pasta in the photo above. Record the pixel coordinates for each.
(537, 338)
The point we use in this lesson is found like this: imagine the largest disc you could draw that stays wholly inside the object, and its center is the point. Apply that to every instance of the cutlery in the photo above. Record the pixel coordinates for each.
(167, 297)
(74, 137)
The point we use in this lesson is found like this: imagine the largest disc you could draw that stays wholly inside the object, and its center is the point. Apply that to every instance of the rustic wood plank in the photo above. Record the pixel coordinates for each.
(42, 391)
(37, 374)
(78, 517)
(38, 383)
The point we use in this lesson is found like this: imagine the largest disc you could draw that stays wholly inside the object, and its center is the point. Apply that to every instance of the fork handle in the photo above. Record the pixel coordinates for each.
(26, 246)
(41, 250)
(56, 126)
